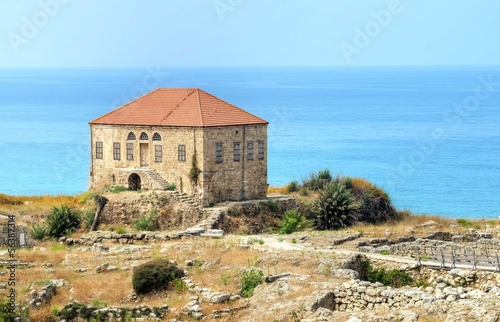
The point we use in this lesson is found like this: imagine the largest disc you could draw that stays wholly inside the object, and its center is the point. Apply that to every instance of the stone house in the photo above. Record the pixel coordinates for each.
(185, 137)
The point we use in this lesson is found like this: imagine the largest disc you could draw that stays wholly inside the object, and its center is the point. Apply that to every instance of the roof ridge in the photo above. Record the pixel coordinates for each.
(178, 105)
(234, 106)
(199, 106)
(123, 106)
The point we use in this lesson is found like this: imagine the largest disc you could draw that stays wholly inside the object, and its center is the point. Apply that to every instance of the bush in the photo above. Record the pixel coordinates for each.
(318, 181)
(88, 219)
(250, 280)
(293, 186)
(38, 232)
(292, 221)
(375, 204)
(154, 275)
(273, 206)
(335, 207)
(393, 277)
(149, 222)
(62, 221)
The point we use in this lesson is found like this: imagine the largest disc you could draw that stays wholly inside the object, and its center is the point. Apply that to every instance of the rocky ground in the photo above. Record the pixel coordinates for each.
(310, 276)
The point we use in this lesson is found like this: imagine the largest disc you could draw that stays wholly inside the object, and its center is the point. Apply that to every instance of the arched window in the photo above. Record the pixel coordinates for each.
(156, 137)
(131, 136)
(143, 136)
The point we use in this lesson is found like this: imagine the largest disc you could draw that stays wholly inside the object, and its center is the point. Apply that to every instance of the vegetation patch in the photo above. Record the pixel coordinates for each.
(293, 221)
(154, 275)
(62, 221)
(250, 280)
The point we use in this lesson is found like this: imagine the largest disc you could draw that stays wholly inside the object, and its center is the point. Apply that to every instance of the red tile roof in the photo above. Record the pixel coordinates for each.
(179, 107)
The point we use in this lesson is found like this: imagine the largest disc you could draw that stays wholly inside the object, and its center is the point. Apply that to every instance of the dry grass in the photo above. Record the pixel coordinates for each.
(282, 190)
(33, 209)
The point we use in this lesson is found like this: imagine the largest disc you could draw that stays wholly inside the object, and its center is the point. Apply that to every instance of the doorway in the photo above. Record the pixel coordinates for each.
(144, 151)
(134, 182)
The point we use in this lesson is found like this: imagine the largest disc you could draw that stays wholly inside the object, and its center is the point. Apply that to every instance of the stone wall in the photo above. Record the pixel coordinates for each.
(4, 236)
(230, 179)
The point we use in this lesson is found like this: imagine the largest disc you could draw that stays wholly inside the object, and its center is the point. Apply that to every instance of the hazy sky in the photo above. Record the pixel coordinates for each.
(81, 33)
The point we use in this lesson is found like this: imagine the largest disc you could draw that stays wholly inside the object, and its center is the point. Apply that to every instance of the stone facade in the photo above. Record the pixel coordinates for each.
(118, 158)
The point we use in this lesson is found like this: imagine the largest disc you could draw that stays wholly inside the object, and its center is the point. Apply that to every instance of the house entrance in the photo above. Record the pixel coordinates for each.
(134, 182)
(144, 150)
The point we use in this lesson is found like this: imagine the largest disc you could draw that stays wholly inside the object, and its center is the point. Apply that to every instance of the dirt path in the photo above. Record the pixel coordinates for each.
(275, 242)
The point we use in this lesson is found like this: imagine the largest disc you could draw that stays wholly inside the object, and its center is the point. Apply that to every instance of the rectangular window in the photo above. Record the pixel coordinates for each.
(130, 151)
(158, 153)
(98, 150)
(261, 150)
(250, 150)
(182, 153)
(116, 151)
(236, 151)
(218, 153)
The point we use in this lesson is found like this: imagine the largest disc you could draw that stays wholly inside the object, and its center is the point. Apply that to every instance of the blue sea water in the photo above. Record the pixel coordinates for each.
(429, 136)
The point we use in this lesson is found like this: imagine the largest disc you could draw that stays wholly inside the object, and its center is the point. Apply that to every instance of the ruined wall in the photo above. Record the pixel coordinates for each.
(4, 236)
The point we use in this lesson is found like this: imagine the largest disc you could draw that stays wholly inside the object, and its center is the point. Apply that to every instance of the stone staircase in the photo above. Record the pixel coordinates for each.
(189, 201)
(156, 178)
(212, 217)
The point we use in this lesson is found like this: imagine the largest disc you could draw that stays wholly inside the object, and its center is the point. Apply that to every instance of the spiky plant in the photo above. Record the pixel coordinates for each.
(293, 221)
(335, 207)
(62, 221)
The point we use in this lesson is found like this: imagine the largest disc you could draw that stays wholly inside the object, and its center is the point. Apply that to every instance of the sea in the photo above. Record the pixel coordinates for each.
(429, 136)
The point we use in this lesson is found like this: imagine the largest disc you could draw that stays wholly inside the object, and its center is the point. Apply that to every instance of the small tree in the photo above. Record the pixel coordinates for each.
(194, 173)
(335, 207)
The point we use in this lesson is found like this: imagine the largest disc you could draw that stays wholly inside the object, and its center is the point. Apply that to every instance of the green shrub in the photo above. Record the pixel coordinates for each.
(293, 186)
(304, 191)
(467, 223)
(171, 187)
(292, 221)
(38, 232)
(88, 219)
(149, 222)
(5, 312)
(273, 206)
(63, 220)
(335, 207)
(120, 230)
(116, 189)
(154, 275)
(318, 181)
(250, 280)
(74, 310)
(393, 277)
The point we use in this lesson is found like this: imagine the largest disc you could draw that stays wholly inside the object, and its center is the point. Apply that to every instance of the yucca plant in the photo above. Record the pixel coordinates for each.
(62, 221)
(293, 221)
(335, 207)
(38, 232)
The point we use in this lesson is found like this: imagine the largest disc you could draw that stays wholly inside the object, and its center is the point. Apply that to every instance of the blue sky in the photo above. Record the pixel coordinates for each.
(85, 33)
